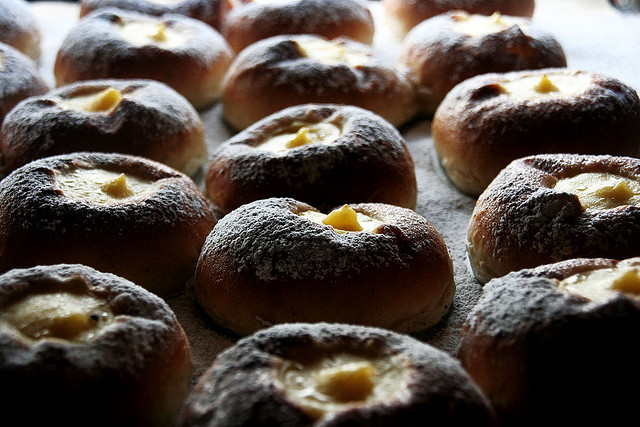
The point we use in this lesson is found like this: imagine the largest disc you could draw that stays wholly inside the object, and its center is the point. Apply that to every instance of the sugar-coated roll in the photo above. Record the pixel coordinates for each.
(556, 343)
(403, 15)
(487, 121)
(77, 344)
(334, 375)
(278, 260)
(19, 79)
(121, 214)
(548, 208)
(321, 154)
(139, 117)
(283, 71)
(450, 48)
(19, 27)
(182, 52)
(253, 20)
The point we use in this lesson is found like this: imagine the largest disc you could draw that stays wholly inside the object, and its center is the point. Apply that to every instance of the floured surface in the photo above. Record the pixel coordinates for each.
(594, 37)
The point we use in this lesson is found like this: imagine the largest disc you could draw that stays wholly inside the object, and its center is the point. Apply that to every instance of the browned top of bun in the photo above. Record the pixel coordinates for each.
(19, 27)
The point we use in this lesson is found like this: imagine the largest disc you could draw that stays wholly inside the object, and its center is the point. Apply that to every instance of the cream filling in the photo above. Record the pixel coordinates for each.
(304, 134)
(605, 283)
(476, 25)
(330, 53)
(102, 186)
(342, 381)
(151, 32)
(104, 101)
(68, 316)
(601, 190)
(546, 85)
(344, 220)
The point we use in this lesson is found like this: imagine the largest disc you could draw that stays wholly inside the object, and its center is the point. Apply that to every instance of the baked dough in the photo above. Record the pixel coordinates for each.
(19, 27)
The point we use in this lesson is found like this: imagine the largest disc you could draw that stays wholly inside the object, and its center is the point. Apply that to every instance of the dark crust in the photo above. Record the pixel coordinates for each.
(521, 222)
(19, 79)
(118, 375)
(93, 50)
(567, 352)
(211, 12)
(249, 22)
(19, 27)
(272, 74)
(240, 387)
(406, 14)
(155, 241)
(476, 126)
(280, 265)
(369, 162)
(439, 57)
(152, 121)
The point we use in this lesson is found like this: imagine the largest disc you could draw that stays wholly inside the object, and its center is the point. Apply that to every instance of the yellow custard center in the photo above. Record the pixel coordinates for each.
(301, 135)
(102, 186)
(342, 381)
(344, 220)
(479, 25)
(104, 101)
(546, 85)
(605, 283)
(62, 315)
(330, 53)
(151, 32)
(601, 190)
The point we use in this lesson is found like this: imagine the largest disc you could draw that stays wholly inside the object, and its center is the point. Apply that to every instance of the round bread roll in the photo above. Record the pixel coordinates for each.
(403, 15)
(489, 120)
(140, 117)
(324, 155)
(77, 345)
(548, 208)
(278, 260)
(126, 215)
(184, 53)
(253, 20)
(211, 12)
(19, 79)
(283, 71)
(450, 48)
(334, 374)
(548, 343)
(19, 27)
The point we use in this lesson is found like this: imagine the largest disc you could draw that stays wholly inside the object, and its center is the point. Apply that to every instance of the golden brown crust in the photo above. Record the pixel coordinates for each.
(240, 388)
(211, 12)
(19, 27)
(93, 49)
(280, 265)
(478, 129)
(137, 372)
(273, 74)
(248, 22)
(152, 121)
(369, 162)
(521, 221)
(438, 57)
(403, 15)
(566, 352)
(153, 241)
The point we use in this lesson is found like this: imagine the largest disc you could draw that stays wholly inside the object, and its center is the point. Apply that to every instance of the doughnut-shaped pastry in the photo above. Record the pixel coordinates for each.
(547, 343)
(450, 48)
(19, 27)
(403, 15)
(324, 155)
(548, 208)
(334, 374)
(184, 53)
(253, 20)
(140, 117)
(211, 12)
(19, 79)
(278, 260)
(487, 121)
(81, 345)
(283, 71)
(126, 215)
